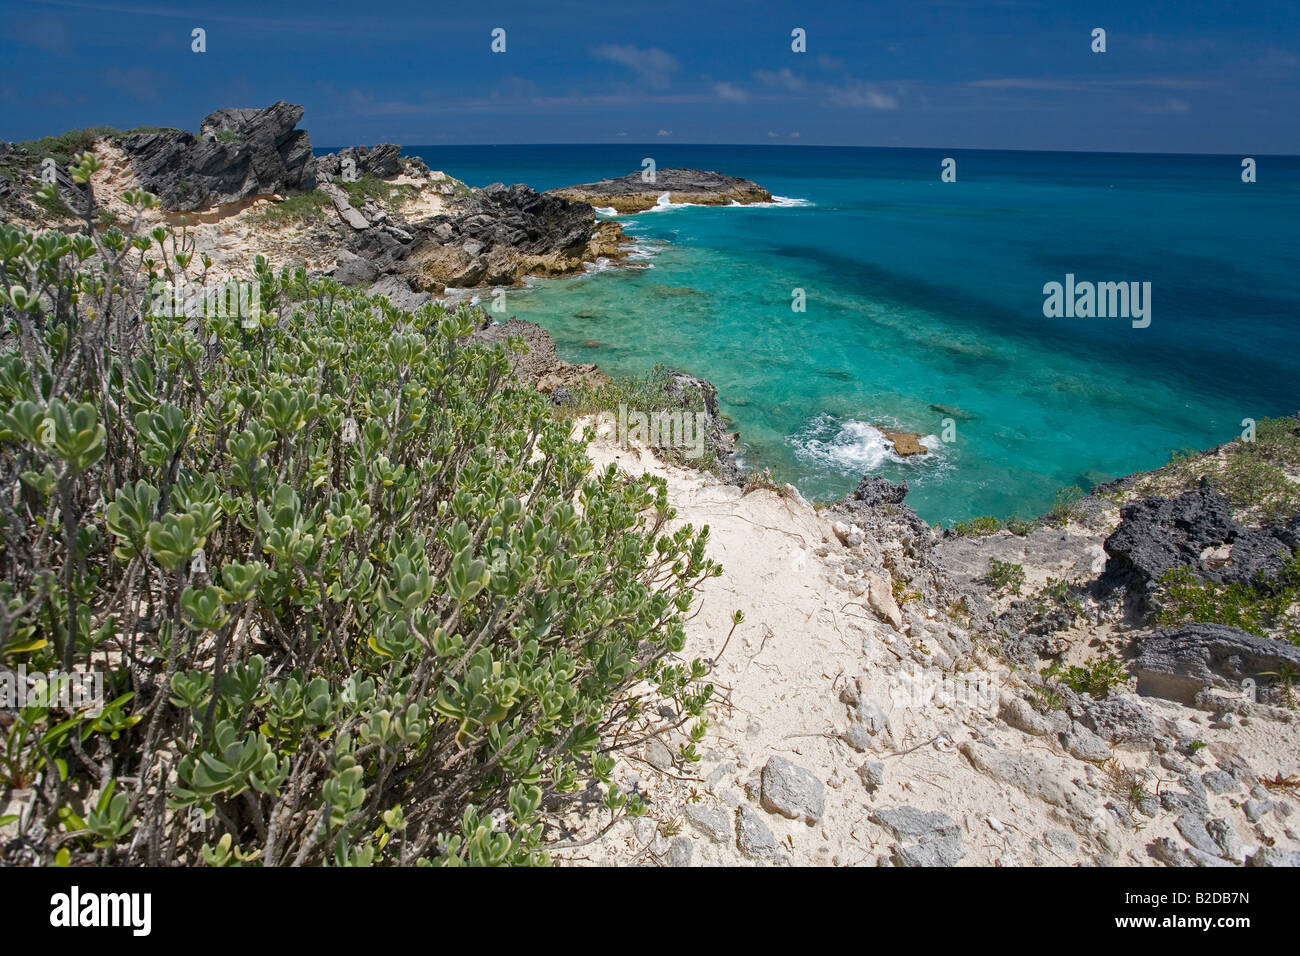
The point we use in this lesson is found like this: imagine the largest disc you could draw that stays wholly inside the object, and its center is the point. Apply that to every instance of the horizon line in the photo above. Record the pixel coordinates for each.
(967, 149)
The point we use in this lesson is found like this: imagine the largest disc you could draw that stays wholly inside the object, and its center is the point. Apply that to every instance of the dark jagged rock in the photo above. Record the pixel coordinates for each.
(1156, 535)
(1194, 531)
(1178, 662)
(382, 161)
(401, 295)
(876, 506)
(353, 270)
(1258, 555)
(874, 492)
(631, 193)
(521, 217)
(499, 235)
(239, 153)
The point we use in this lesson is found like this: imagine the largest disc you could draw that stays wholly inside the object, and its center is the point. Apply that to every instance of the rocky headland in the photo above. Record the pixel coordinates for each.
(247, 183)
(632, 193)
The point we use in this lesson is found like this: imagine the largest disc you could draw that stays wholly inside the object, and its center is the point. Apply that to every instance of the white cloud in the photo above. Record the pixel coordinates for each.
(653, 66)
(783, 78)
(730, 92)
(664, 132)
(863, 96)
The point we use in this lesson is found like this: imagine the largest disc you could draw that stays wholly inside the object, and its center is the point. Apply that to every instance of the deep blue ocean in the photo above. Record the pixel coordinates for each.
(924, 303)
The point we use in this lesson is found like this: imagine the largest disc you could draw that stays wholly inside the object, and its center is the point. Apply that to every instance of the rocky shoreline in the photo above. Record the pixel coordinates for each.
(886, 703)
(248, 182)
(636, 193)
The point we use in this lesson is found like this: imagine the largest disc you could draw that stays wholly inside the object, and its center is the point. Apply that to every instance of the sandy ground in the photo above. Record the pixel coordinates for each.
(1017, 798)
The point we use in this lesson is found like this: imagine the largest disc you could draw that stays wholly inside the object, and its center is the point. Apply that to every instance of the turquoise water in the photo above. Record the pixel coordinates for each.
(922, 294)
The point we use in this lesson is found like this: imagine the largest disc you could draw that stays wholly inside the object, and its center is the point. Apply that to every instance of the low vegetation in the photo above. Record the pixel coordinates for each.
(657, 391)
(1066, 507)
(355, 598)
(298, 208)
(1264, 608)
(1098, 678)
(1005, 575)
(1259, 477)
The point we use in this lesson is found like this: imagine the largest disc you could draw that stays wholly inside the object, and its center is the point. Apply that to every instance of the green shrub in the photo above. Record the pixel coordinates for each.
(1253, 475)
(1057, 601)
(65, 148)
(1019, 526)
(300, 207)
(372, 187)
(1251, 480)
(1005, 574)
(1099, 678)
(1263, 608)
(357, 599)
(1065, 508)
(985, 524)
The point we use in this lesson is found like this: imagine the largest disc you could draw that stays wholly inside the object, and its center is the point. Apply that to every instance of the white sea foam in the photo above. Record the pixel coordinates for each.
(850, 446)
(665, 204)
(643, 249)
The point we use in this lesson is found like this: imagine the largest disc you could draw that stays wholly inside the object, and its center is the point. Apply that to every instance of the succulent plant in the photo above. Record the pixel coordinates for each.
(357, 597)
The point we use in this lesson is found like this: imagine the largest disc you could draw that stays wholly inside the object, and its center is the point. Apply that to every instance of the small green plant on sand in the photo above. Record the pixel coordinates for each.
(1065, 509)
(1005, 575)
(1099, 678)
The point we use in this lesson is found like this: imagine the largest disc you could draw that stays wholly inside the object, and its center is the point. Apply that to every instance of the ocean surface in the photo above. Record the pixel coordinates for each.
(924, 308)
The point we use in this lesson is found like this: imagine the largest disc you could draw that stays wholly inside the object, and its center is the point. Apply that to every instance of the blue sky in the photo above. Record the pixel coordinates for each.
(1186, 76)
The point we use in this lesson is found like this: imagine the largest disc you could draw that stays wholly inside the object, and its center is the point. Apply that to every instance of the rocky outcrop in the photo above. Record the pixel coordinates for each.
(688, 391)
(494, 237)
(876, 508)
(631, 193)
(503, 233)
(1156, 535)
(540, 366)
(1194, 531)
(239, 153)
(1178, 662)
(905, 444)
(382, 161)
